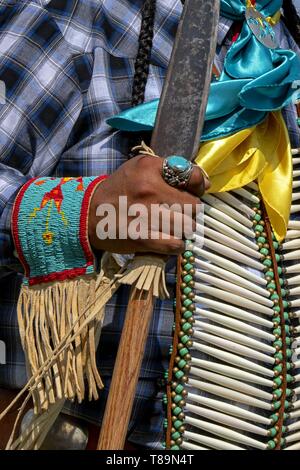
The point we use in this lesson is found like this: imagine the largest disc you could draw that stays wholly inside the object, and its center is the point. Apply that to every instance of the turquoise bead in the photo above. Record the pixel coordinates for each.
(277, 393)
(278, 343)
(277, 382)
(279, 356)
(271, 285)
(165, 423)
(188, 254)
(267, 262)
(289, 378)
(188, 278)
(177, 424)
(264, 251)
(175, 435)
(276, 309)
(187, 326)
(279, 269)
(261, 240)
(179, 374)
(187, 290)
(276, 245)
(187, 315)
(270, 274)
(185, 338)
(188, 267)
(274, 418)
(289, 353)
(277, 405)
(175, 448)
(176, 411)
(177, 398)
(259, 228)
(179, 389)
(275, 297)
(183, 352)
(181, 364)
(276, 320)
(298, 121)
(187, 303)
(271, 445)
(278, 368)
(272, 432)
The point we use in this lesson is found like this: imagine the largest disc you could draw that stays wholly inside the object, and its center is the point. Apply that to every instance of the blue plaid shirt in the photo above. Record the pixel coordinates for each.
(67, 66)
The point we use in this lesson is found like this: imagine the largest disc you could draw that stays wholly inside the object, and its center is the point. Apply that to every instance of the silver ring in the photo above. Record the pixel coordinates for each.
(177, 171)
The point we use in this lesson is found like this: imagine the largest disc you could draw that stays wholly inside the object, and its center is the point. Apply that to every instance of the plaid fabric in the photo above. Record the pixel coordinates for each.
(68, 65)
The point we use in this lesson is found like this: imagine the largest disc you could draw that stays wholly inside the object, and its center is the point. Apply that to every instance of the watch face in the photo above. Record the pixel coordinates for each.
(261, 28)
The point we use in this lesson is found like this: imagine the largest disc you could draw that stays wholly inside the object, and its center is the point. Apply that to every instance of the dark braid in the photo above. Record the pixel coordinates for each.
(142, 60)
(291, 19)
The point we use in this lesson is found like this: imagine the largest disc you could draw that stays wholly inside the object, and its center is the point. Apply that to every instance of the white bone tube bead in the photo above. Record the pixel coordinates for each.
(293, 447)
(233, 299)
(219, 215)
(231, 200)
(295, 208)
(216, 444)
(294, 224)
(232, 347)
(291, 245)
(292, 234)
(229, 409)
(296, 405)
(295, 280)
(292, 256)
(189, 446)
(234, 359)
(294, 427)
(230, 242)
(230, 371)
(294, 414)
(226, 230)
(295, 303)
(227, 209)
(237, 385)
(230, 287)
(230, 253)
(247, 195)
(295, 437)
(239, 326)
(252, 186)
(294, 291)
(295, 197)
(297, 363)
(296, 151)
(296, 173)
(297, 378)
(231, 277)
(229, 265)
(296, 184)
(230, 394)
(225, 433)
(234, 336)
(225, 419)
(234, 311)
(293, 269)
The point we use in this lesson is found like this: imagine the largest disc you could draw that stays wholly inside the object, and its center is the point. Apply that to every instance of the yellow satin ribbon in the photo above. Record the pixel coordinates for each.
(261, 153)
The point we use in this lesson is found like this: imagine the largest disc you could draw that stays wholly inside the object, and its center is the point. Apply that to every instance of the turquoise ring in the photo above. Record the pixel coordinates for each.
(177, 171)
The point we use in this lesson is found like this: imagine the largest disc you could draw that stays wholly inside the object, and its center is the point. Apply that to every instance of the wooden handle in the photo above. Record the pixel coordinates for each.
(126, 371)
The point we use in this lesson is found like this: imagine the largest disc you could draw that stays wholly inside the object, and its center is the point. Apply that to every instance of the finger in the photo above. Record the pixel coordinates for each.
(198, 183)
(176, 224)
(156, 243)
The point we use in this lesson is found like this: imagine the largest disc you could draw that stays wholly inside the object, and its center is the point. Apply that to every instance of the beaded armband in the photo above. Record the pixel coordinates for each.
(49, 226)
(50, 231)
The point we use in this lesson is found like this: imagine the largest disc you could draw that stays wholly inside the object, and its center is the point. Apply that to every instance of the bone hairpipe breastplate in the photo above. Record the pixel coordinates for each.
(233, 378)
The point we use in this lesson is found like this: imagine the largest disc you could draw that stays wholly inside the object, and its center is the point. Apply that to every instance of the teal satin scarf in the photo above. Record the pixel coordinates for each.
(255, 81)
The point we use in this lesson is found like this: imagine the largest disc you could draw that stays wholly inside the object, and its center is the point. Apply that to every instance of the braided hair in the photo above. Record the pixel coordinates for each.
(291, 19)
